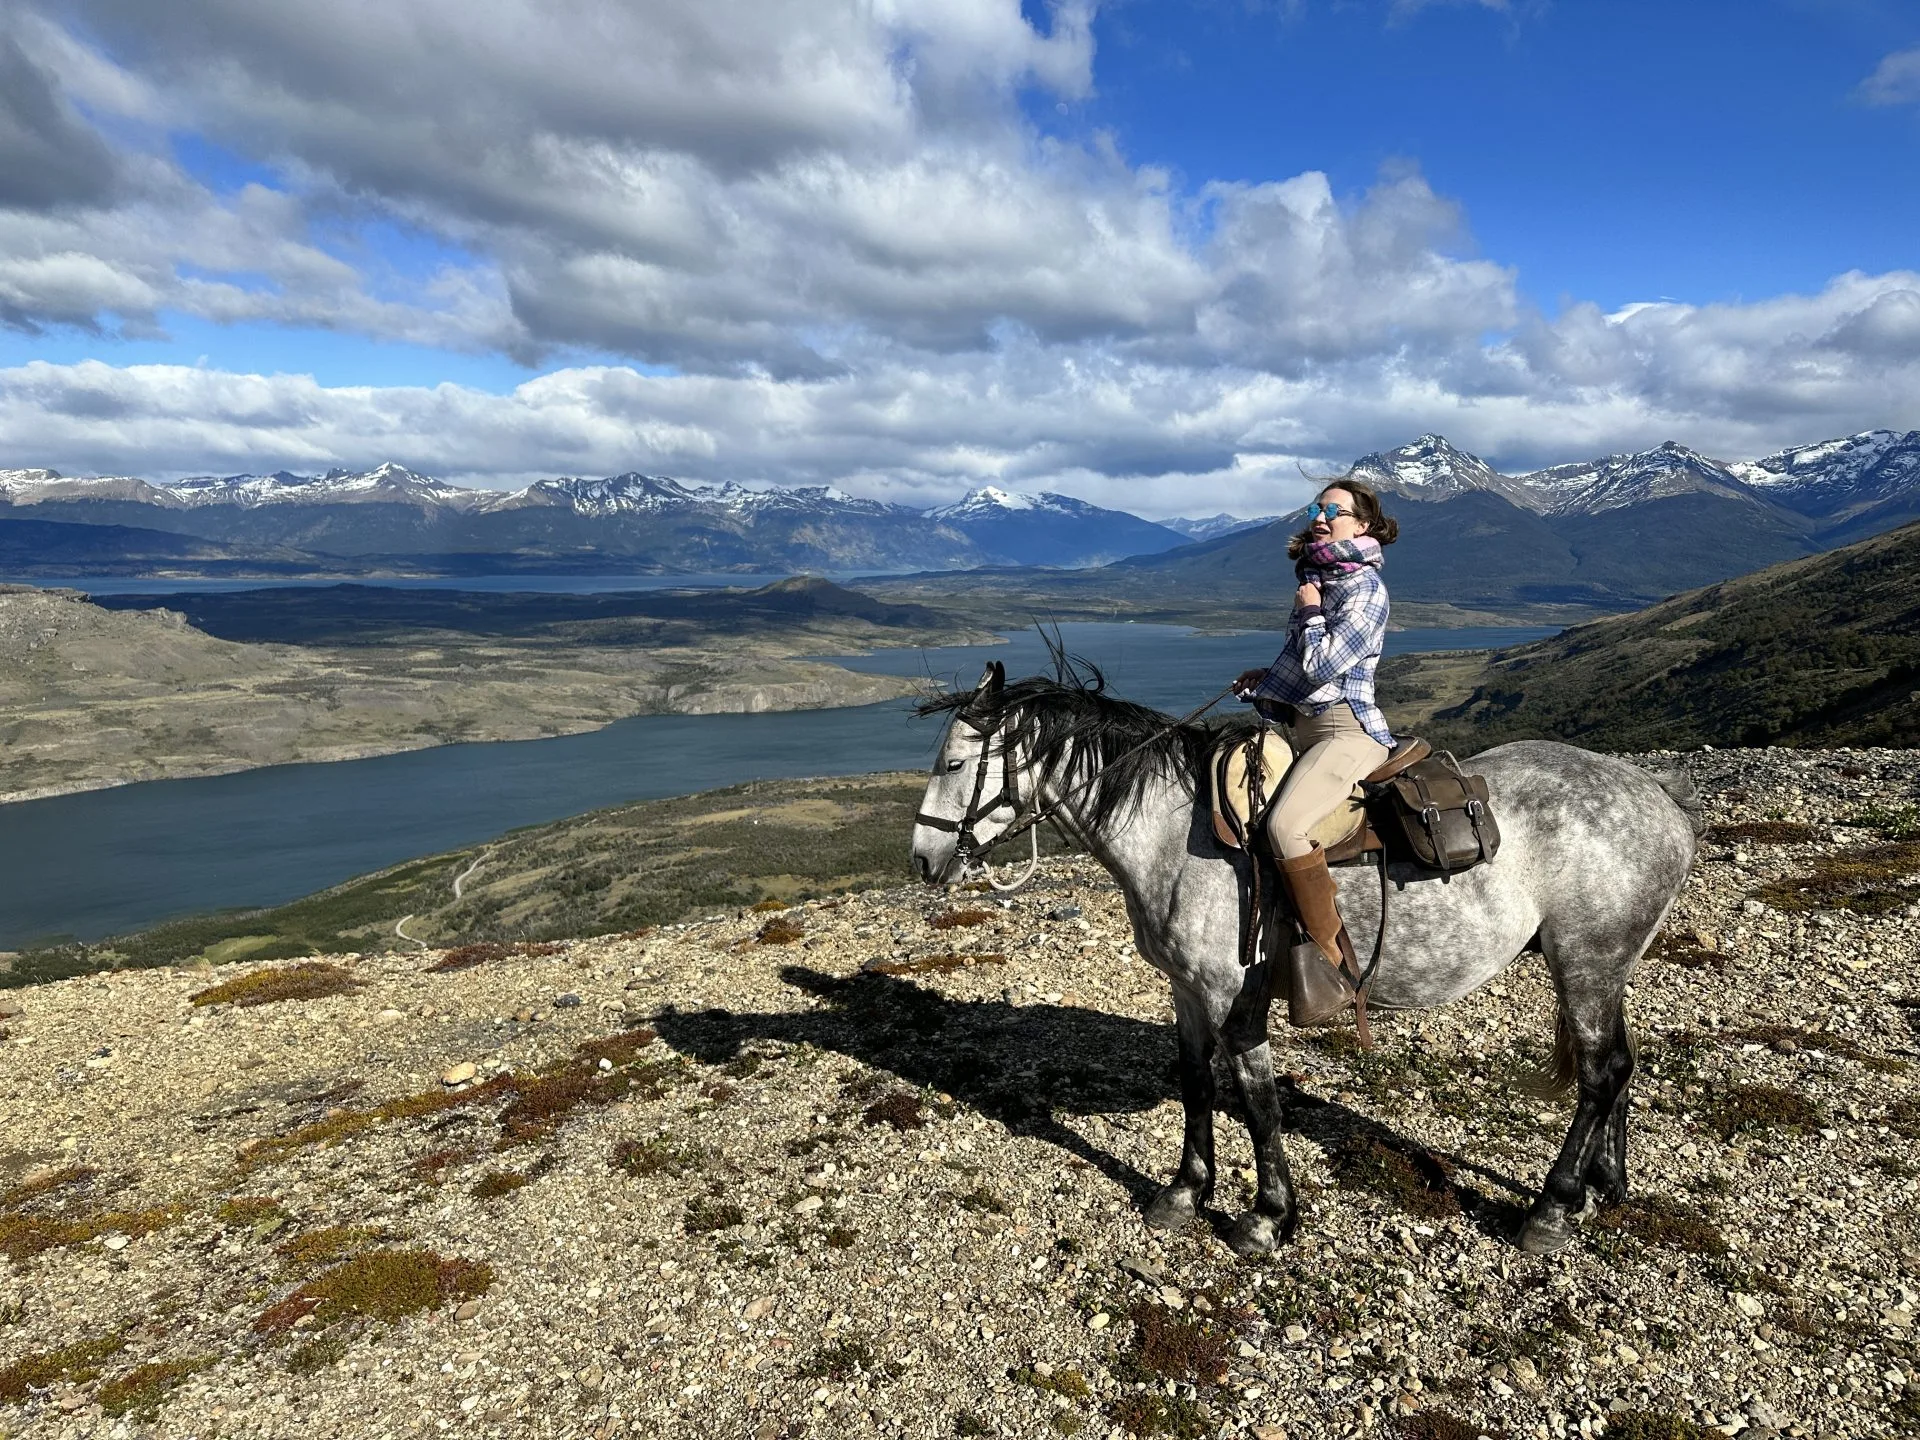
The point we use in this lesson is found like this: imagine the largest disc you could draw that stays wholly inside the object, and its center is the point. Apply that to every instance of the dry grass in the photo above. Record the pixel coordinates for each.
(72, 1364)
(307, 980)
(1877, 880)
(961, 919)
(384, 1285)
(482, 952)
(1766, 832)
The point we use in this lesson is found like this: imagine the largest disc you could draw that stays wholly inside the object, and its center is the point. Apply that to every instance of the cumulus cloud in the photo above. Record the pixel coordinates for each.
(1895, 80)
(835, 228)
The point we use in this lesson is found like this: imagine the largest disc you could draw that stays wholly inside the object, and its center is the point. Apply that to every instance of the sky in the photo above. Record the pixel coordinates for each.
(1173, 258)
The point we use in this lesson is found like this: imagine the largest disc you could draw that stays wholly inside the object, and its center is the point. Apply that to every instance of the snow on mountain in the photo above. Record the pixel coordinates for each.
(1433, 469)
(1211, 527)
(992, 501)
(387, 484)
(29, 487)
(1588, 487)
(1838, 476)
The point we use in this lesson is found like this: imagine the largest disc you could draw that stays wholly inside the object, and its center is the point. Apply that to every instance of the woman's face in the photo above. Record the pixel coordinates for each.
(1345, 525)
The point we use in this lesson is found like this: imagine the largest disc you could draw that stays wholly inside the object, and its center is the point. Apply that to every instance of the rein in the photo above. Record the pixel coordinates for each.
(970, 848)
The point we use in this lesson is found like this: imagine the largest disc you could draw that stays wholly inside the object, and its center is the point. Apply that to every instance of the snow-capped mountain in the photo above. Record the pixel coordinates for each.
(1588, 487)
(1841, 476)
(1432, 469)
(388, 484)
(1211, 527)
(1013, 528)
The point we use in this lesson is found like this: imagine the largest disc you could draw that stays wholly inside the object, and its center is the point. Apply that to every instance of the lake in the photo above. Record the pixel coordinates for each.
(106, 862)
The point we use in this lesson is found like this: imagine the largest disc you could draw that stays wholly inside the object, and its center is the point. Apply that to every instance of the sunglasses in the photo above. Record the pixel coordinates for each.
(1328, 508)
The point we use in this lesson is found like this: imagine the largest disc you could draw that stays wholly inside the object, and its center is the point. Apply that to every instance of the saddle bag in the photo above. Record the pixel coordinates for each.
(1440, 816)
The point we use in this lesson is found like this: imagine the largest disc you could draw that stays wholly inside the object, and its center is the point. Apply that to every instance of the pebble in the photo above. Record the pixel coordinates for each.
(11, 1009)
(565, 1002)
(467, 1310)
(758, 1309)
(1100, 1321)
(808, 1205)
(1295, 1333)
(460, 1074)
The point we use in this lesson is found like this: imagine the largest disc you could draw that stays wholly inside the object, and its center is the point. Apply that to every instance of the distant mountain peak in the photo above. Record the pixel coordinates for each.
(1434, 468)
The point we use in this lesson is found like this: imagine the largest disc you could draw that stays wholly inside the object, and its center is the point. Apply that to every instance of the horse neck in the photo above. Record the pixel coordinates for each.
(1142, 844)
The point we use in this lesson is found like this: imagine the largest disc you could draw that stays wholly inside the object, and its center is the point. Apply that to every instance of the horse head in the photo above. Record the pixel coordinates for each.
(974, 792)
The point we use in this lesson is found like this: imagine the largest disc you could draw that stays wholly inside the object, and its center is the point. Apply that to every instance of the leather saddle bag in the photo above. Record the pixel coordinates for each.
(1441, 818)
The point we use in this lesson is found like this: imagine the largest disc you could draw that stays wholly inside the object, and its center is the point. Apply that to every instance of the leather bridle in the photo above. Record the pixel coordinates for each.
(968, 846)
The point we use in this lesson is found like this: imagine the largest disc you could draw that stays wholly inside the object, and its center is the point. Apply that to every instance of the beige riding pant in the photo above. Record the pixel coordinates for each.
(1335, 755)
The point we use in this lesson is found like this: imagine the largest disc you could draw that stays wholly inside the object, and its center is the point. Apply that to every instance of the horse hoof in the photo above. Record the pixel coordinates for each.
(1546, 1234)
(1252, 1236)
(1172, 1208)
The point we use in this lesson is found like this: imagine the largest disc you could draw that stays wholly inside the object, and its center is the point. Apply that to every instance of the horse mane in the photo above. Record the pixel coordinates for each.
(1070, 711)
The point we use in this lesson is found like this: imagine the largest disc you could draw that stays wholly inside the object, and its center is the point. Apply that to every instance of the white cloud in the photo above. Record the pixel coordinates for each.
(833, 221)
(1895, 80)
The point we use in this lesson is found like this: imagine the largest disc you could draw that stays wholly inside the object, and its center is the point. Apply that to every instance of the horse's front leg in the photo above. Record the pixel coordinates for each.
(1275, 1213)
(1180, 1202)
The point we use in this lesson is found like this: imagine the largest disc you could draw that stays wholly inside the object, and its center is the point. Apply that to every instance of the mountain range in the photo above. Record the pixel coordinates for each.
(1611, 533)
(393, 517)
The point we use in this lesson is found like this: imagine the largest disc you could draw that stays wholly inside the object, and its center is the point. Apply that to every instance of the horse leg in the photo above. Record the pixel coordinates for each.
(1270, 1224)
(1179, 1203)
(1595, 1148)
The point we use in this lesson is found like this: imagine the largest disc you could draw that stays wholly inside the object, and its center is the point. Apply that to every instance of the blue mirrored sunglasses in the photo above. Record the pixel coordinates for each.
(1328, 508)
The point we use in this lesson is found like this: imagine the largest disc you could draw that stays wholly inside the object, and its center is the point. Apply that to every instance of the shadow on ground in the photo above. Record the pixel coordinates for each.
(1025, 1065)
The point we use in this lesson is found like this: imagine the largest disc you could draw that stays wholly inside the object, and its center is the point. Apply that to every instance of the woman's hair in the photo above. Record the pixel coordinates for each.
(1366, 509)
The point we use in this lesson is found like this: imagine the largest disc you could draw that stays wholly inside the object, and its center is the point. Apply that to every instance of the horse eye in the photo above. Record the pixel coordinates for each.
(953, 765)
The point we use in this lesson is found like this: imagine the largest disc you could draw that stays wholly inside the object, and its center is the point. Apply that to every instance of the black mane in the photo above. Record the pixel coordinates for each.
(1048, 715)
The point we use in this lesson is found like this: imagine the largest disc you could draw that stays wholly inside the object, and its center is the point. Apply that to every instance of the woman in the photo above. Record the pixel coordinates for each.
(1323, 679)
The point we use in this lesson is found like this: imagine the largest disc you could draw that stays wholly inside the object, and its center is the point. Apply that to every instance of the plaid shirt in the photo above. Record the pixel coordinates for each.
(1332, 651)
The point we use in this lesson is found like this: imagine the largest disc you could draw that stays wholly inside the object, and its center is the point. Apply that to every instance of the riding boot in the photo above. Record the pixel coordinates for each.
(1324, 972)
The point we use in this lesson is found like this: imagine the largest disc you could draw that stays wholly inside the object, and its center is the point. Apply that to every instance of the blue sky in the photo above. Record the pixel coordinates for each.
(1148, 253)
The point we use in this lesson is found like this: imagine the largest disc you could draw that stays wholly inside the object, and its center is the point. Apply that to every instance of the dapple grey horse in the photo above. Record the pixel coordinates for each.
(1594, 852)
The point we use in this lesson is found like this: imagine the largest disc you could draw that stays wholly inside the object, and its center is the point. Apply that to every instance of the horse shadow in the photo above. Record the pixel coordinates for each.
(1025, 1065)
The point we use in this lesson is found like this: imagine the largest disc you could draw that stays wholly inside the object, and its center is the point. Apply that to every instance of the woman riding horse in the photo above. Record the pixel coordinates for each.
(1321, 688)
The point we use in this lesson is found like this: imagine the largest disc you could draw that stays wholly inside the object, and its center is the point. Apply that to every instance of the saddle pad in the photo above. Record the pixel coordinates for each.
(1235, 813)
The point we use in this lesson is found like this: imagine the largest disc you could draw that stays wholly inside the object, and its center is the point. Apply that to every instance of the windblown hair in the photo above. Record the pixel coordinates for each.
(1069, 713)
(1366, 509)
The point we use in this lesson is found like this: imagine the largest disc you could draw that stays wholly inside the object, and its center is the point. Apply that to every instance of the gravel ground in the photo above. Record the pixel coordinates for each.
(844, 1171)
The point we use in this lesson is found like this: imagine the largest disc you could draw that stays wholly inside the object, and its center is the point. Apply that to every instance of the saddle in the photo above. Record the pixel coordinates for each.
(1246, 778)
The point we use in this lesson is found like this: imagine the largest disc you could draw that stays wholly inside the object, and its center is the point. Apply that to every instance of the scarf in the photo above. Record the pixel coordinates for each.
(1327, 560)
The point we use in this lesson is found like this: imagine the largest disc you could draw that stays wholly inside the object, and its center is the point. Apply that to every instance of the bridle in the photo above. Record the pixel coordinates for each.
(968, 846)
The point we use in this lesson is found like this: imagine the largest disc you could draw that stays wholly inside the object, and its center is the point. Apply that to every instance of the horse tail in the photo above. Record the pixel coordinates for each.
(1555, 1079)
(1679, 787)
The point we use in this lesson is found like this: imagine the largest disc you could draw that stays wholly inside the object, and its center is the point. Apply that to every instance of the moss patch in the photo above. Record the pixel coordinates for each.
(1742, 1109)
(309, 980)
(1417, 1183)
(961, 919)
(661, 1155)
(141, 1392)
(384, 1285)
(845, 1359)
(1444, 1425)
(900, 1110)
(1653, 1425)
(1066, 1381)
(24, 1236)
(466, 957)
(1151, 1414)
(1877, 880)
(1668, 1224)
(45, 1183)
(704, 1217)
(318, 1249)
(71, 1364)
(1167, 1346)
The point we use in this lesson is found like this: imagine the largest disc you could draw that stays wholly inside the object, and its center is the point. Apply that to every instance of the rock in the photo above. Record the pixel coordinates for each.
(1142, 1268)
(1295, 1333)
(468, 1309)
(1749, 1306)
(115, 1242)
(592, 1378)
(566, 1002)
(389, 1015)
(758, 1309)
(808, 1205)
(11, 1009)
(1064, 912)
(1525, 1374)
(1269, 1432)
(1171, 1297)
(523, 1017)
(460, 1074)
(1100, 1321)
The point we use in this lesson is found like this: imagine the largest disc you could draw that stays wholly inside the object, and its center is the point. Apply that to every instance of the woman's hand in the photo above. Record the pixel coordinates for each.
(1308, 594)
(1248, 682)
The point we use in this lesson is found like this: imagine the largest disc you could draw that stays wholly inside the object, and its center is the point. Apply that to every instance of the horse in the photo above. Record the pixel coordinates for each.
(1594, 854)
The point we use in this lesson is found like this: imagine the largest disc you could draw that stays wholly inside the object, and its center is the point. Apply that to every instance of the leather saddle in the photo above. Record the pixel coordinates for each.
(1247, 774)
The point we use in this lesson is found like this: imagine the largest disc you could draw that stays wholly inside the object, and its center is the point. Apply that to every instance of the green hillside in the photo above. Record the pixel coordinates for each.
(1821, 651)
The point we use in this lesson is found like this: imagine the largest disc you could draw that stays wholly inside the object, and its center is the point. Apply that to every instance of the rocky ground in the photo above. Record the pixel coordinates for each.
(874, 1166)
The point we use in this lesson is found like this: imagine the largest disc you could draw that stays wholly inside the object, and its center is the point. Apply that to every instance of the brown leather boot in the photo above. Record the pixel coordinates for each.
(1324, 976)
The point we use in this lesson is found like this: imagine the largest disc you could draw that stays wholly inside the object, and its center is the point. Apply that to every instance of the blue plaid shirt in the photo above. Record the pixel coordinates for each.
(1332, 651)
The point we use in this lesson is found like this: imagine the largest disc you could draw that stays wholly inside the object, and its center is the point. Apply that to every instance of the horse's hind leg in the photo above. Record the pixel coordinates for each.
(1595, 1149)
(1180, 1202)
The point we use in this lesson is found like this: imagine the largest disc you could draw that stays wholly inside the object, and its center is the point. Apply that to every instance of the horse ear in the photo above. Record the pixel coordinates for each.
(992, 679)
